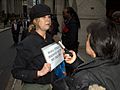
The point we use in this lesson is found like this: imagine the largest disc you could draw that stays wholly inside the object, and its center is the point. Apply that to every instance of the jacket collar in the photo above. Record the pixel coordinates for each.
(94, 63)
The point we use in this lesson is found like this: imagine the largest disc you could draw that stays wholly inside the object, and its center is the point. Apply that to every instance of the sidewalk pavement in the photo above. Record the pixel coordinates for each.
(4, 29)
(13, 84)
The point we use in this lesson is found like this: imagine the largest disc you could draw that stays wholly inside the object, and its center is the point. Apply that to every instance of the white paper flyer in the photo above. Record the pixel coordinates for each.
(53, 54)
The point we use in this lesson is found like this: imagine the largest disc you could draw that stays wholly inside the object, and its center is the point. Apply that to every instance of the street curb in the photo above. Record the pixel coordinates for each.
(10, 83)
(4, 29)
(13, 84)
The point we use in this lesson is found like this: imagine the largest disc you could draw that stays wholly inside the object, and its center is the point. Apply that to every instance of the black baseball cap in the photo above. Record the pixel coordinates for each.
(39, 10)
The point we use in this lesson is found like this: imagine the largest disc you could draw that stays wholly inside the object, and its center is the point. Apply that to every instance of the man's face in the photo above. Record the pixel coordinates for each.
(65, 14)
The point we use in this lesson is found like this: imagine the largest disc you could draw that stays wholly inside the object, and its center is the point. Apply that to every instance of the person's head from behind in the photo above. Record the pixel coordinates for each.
(103, 40)
(40, 16)
(116, 17)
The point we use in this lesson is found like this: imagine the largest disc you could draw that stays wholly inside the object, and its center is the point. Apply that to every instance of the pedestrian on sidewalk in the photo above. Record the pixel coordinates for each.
(70, 28)
(25, 25)
(15, 29)
(30, 65)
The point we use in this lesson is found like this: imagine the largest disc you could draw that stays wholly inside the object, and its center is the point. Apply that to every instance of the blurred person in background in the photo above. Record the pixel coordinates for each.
(25, 25)
(116, 17)
(15, 29)
(70, 28)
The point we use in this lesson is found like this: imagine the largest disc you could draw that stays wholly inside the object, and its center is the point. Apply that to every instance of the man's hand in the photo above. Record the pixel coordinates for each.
(70, 59)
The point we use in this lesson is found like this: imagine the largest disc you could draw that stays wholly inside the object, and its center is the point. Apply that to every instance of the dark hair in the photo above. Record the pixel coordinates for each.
(116, 17)
(105, 40)
(73, 14)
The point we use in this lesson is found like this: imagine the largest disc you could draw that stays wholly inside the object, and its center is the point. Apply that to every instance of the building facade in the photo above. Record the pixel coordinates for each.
(88, 10)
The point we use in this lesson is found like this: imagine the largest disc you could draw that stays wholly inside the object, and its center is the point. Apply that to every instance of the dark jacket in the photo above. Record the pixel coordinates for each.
(30, 58)
(17, 28)
(101, 72)
(70, 37)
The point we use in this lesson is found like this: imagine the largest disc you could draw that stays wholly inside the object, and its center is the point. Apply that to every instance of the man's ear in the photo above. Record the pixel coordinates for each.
(89, 50)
